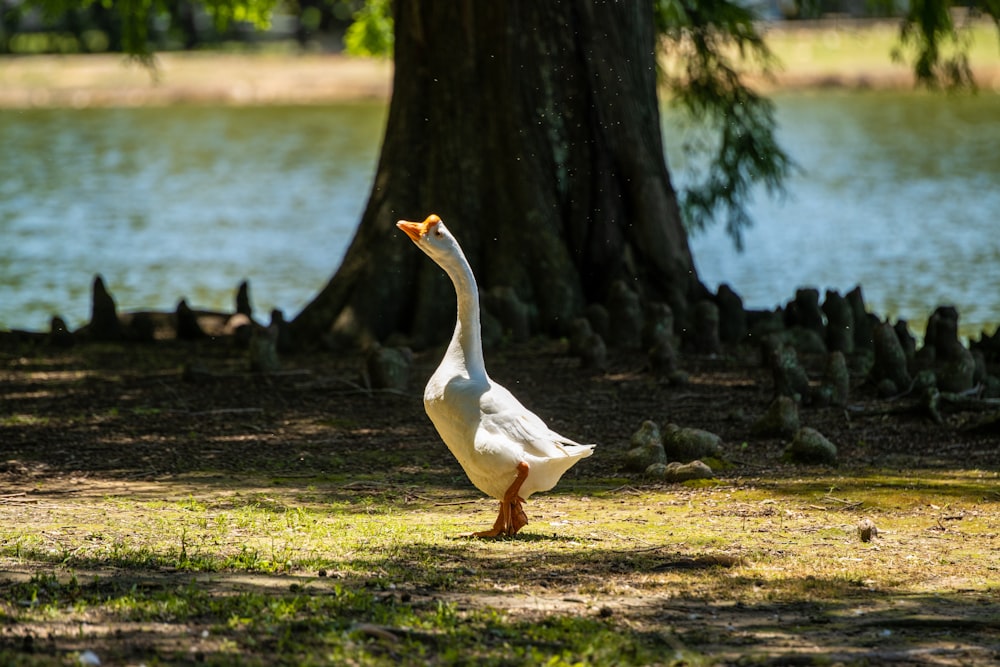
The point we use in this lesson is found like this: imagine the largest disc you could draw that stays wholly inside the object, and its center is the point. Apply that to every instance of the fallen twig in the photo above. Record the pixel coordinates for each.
(17, 498)
(848, 504)
(453, 502)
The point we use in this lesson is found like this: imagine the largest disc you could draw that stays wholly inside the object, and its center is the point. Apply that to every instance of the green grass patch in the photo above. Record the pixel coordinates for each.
(389, 576)
(853, 47)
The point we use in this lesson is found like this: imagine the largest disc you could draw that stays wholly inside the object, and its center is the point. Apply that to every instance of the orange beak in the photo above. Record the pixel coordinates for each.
(415, 230)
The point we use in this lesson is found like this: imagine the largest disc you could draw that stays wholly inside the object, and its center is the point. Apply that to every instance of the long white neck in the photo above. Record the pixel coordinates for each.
(466, 347)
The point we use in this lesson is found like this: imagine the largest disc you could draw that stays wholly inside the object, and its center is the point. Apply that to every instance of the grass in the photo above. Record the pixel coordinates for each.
(146, 521)
(853, 47)
(845, 53)
(261, 567)
(858, 54)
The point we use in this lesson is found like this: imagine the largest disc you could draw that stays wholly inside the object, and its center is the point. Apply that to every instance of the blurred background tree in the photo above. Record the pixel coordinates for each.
(622, 232)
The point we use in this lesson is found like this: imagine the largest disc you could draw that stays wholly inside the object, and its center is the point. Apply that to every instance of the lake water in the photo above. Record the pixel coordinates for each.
(179, 202)
(898, 191)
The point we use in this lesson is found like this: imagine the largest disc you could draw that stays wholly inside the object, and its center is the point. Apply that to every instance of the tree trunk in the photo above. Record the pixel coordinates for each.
(533, 130)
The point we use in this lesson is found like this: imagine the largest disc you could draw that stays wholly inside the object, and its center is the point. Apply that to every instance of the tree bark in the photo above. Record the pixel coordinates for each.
(533, 130)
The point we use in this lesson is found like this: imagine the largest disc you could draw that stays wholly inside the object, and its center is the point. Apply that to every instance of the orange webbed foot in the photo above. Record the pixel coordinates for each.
(511, 517)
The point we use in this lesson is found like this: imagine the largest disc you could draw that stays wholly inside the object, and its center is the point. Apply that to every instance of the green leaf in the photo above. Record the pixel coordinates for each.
(371, 34)
(705, 37)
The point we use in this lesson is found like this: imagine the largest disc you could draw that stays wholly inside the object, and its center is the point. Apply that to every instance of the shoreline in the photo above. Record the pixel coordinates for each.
(111, 80)
(834, 54)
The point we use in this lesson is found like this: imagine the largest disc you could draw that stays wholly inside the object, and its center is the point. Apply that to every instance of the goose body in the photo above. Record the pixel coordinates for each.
(506, 450)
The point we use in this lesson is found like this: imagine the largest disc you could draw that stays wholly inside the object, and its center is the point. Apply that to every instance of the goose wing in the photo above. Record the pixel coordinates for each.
(506, 423)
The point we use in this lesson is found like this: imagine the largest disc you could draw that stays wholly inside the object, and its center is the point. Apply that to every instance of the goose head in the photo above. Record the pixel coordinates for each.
(433, 238)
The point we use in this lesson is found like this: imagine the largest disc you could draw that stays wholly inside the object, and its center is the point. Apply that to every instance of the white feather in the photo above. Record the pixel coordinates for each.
(486, 428)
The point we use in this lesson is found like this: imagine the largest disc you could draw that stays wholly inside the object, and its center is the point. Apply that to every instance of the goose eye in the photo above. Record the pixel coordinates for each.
(438, 233)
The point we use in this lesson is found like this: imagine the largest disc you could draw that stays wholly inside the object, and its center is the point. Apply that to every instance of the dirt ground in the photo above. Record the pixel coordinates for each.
(102, 419)
(210, 382)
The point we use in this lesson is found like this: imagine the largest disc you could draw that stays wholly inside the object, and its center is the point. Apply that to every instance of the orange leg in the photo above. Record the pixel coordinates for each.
(511, 517)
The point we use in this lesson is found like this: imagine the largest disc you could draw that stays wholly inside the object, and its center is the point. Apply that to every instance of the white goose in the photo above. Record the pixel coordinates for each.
(506, 450)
